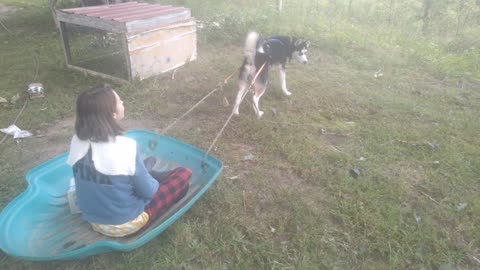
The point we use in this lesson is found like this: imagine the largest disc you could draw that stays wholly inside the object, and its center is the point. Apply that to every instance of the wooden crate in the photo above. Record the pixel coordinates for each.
(163, 49)
(154, 38)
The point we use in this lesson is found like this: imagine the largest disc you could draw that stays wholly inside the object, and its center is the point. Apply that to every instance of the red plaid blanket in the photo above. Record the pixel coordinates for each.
(173, 186)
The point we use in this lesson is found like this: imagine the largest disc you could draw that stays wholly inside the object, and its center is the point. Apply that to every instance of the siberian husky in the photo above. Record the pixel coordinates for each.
(274, 51)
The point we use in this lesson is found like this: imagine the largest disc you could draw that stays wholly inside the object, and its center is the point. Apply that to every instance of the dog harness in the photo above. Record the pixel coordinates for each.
(276, 40)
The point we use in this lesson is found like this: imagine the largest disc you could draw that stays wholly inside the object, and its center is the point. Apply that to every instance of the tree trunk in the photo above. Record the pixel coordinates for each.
(350, 8)
(427, 5)
(392, 12)
(459, 15)
(52, 4)
(280, 5)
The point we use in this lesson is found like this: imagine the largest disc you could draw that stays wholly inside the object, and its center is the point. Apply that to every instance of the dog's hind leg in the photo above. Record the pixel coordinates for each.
(259, 91)
(283, 80)
(242, 88)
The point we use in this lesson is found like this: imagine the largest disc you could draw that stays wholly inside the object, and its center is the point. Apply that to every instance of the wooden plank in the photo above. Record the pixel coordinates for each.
(98, 74)
(157, 21)
(52, 4)
(179, 24)
(115, 10)
(149, 14)
(127, 57)
(145, 39)
(101, 7)
(88, 59)
(162, 50)
(65, 42)
(138, 11)
(97, 23)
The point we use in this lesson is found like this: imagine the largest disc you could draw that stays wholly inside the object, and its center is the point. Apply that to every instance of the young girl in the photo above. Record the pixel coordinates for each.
(115, 191)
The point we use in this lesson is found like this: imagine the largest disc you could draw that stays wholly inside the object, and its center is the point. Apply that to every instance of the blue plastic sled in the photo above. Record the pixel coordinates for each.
(38, 225)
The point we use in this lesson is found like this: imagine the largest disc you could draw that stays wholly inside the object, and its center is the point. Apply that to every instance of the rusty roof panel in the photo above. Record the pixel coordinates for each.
(81, 10)
(147, 15)
(114, 9)
(131, 11)
(112, 15)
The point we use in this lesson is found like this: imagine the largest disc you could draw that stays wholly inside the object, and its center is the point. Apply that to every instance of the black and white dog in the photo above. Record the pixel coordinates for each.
(274, 51)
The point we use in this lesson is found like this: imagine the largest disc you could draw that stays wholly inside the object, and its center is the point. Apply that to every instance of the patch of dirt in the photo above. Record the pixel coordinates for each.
(281, 176)
(244, 157)
(244, 161)
(336, 139)
(5, 10)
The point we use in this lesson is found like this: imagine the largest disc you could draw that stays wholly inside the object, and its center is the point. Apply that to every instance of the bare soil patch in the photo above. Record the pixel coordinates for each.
(5, 10)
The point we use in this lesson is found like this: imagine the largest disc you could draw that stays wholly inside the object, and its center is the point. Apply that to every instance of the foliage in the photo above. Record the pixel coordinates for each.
(412, 134)
(445, 39)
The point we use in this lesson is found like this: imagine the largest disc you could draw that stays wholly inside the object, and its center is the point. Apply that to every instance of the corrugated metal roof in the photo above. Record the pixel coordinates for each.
(126, 12)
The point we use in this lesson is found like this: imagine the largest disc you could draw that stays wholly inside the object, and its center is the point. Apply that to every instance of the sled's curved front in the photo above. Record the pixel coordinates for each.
(37, 225)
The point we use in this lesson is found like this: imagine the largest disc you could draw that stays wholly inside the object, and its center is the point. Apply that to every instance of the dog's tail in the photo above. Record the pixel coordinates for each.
(251, 47)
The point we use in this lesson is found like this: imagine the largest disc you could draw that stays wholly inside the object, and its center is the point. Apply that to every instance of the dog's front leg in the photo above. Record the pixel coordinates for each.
(283, 80)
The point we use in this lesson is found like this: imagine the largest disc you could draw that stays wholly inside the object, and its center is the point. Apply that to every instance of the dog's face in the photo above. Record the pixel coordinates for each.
(300, 50)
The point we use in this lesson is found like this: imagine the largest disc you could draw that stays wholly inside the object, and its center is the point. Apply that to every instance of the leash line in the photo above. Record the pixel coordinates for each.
(153, 143)
(6, 29)
(229, 118)
(220, 86)
(187, 112)
(229, 76)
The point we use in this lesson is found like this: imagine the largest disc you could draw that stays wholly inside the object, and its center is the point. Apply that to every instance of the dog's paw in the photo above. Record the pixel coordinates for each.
(235, 110)
(287, 93)
(259, 115)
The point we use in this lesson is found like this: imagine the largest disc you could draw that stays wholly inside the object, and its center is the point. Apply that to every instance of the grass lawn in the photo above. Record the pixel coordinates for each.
(412, 135)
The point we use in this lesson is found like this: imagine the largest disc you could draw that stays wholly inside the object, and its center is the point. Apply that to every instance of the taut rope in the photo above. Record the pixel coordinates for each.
(230, 117)
(153, 143)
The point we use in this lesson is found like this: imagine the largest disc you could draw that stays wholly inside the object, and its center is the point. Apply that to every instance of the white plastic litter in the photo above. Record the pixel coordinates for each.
(17, 133)
(248, 157)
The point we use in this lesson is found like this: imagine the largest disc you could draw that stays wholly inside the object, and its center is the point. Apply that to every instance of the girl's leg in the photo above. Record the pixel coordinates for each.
(149, 162)
(172, 188)
(160, 176)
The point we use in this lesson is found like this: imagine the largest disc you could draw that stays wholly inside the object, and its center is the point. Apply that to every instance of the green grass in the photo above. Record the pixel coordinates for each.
(412, 134)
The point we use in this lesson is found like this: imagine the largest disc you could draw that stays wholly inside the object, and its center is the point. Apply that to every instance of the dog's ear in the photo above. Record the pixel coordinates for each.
(297, 42)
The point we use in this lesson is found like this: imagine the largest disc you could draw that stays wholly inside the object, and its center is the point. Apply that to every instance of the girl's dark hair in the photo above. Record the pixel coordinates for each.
(95, 108)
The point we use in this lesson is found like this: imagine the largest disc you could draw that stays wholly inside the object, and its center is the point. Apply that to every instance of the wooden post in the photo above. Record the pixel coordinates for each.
(127, 56)
(65, 42)
(427, 5)
(52, 4)
(459, 15)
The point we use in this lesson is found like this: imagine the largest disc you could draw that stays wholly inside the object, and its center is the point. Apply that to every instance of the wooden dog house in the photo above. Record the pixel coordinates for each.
(152, 38)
